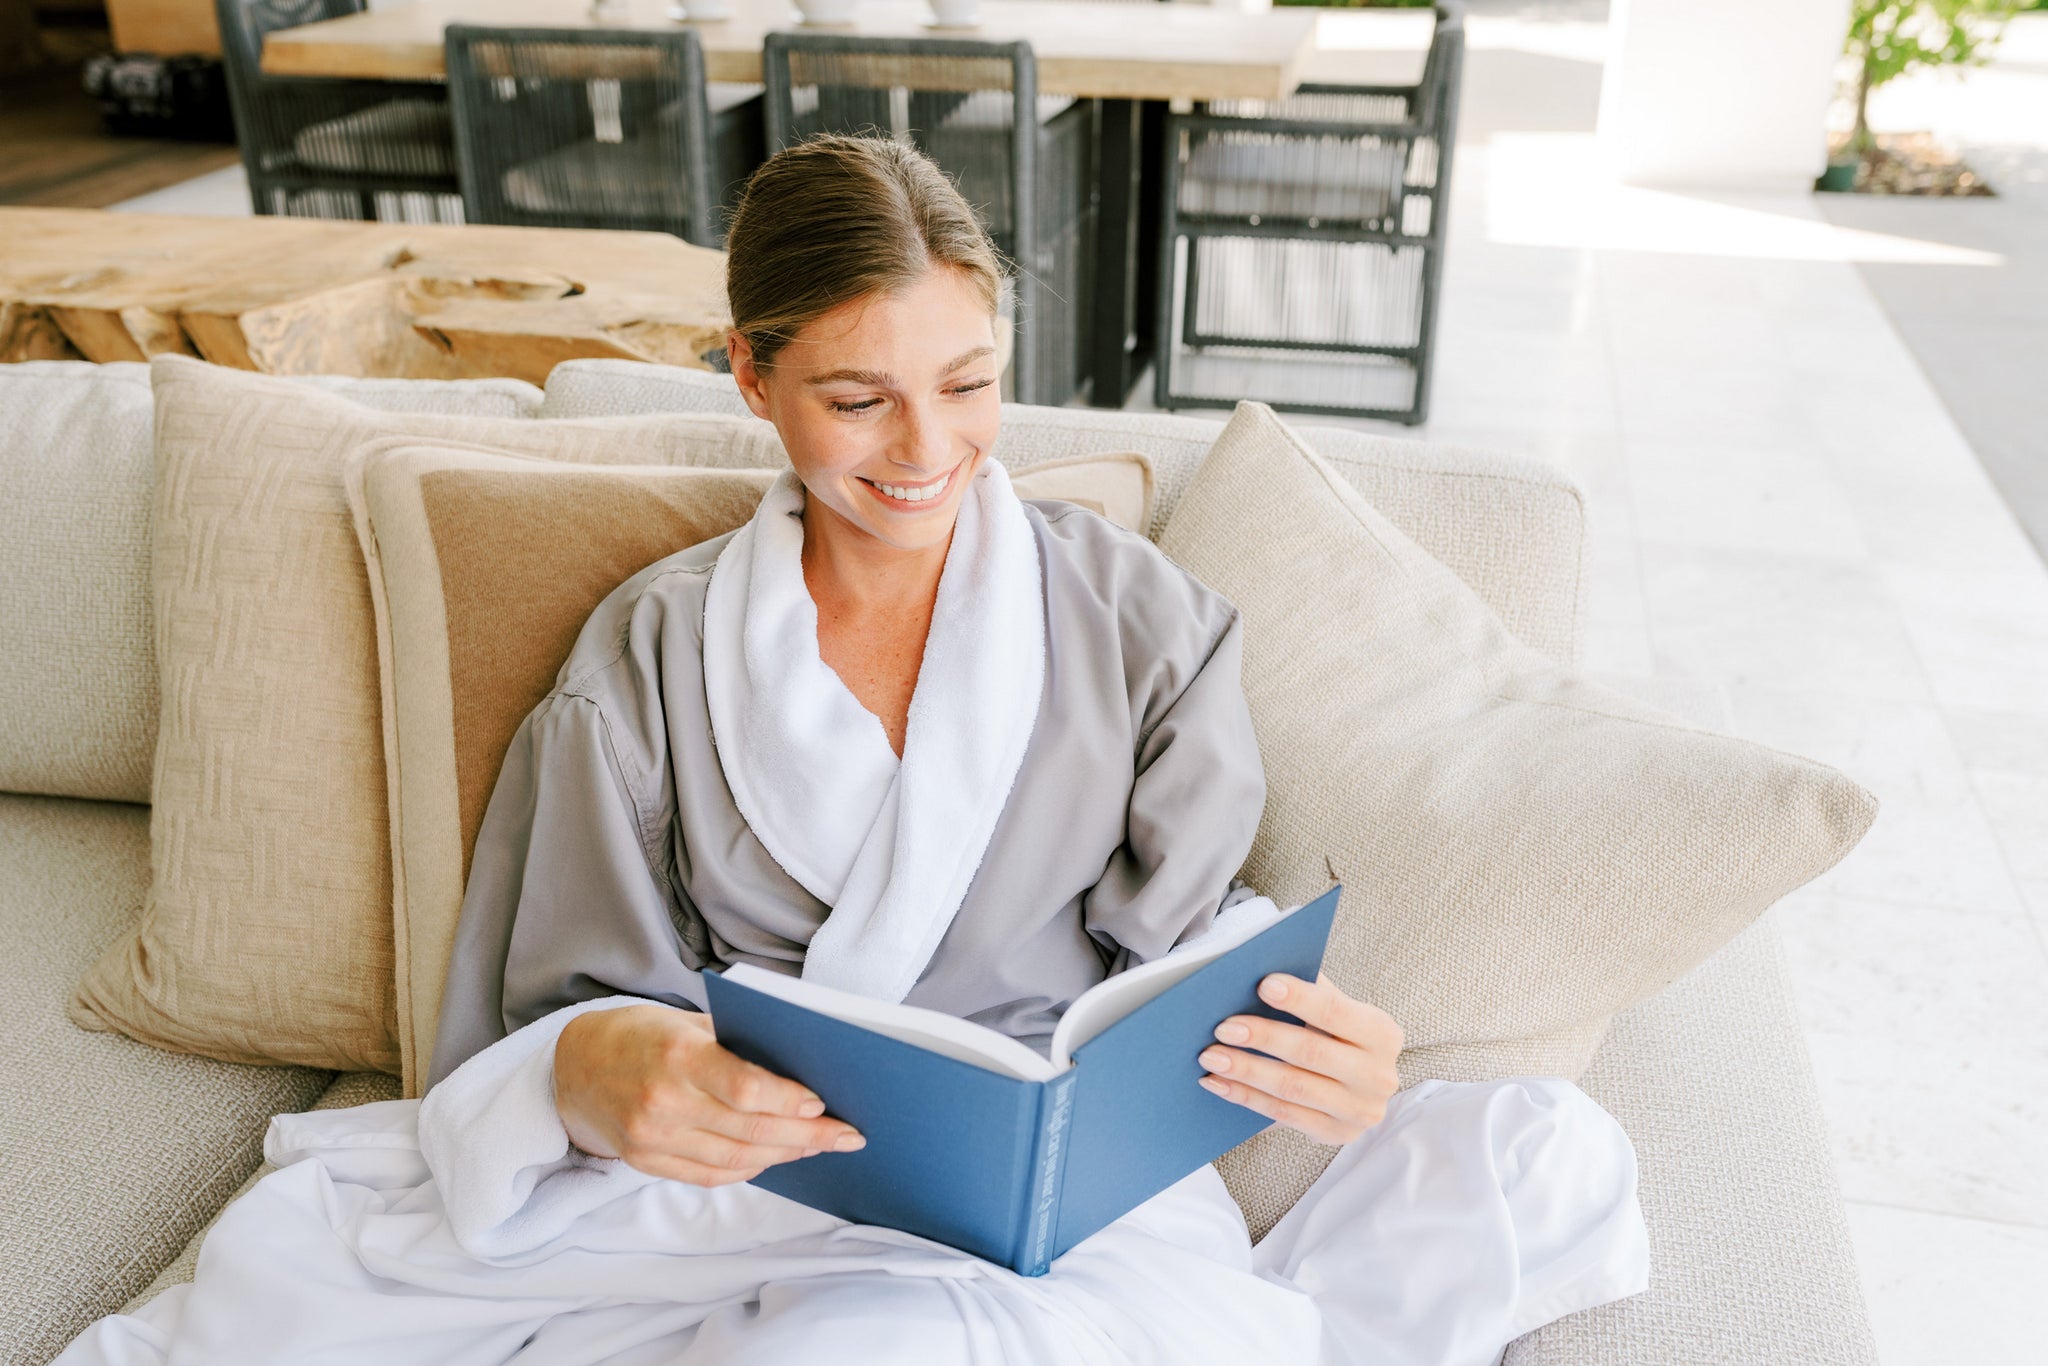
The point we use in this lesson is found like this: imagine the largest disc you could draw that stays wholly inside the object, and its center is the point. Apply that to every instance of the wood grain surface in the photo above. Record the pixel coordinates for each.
(301, 296)
(1104, 50)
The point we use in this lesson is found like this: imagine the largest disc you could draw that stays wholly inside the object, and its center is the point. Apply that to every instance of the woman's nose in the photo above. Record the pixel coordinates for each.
(923, 442)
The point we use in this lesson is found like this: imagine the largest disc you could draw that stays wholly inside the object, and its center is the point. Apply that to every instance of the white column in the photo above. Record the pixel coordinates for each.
(1720, 93)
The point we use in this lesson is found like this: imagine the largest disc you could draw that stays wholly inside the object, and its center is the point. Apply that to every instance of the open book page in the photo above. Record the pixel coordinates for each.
(961, 1040)
(1108, 1001)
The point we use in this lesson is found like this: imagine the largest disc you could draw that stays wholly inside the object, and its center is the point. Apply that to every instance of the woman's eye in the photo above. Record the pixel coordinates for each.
(971, 387)
(858, 405)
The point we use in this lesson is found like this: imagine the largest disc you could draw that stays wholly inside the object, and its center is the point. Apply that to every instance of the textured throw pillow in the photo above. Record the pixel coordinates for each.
(1523, 853)
(78, 682)
(266, 936)
(459, 541)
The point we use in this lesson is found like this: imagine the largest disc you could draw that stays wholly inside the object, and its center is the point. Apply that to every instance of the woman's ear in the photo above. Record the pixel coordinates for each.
(739, 354)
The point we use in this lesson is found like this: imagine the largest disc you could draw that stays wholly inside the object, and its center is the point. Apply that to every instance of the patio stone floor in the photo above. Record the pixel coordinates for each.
(1792, 538)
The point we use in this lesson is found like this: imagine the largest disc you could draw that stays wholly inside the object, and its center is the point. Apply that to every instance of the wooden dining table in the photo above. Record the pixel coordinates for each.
(1132, 57)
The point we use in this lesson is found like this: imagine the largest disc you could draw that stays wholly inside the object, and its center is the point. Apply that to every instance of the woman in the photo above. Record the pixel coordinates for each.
(910, 736)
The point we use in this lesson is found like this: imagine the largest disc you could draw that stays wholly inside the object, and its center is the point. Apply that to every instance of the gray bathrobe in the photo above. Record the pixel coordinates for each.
(612, 860)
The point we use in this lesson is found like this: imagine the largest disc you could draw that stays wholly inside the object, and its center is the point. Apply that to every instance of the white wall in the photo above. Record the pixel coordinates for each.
(1721, 93)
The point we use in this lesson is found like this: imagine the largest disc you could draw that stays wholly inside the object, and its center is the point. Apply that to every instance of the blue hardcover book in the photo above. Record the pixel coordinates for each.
(974, 1139)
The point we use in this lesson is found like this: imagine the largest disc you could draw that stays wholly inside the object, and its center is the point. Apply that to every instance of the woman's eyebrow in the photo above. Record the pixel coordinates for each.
(879, 380)
(967, 357)
(870, 377)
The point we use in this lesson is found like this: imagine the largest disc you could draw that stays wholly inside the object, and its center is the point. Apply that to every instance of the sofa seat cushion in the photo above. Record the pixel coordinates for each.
(350, 1089)
(115, 1152)
(1750, 1259)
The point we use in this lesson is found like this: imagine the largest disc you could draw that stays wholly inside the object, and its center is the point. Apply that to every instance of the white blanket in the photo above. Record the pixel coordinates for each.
(463, 1231)
(890, 846)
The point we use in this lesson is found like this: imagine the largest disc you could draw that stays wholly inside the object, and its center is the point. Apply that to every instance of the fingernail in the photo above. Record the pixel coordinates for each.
(849, 1143)
(1273, 989)
(1213, 1086)
(1231, 1032)
(1216, 1060)
(811, 1108)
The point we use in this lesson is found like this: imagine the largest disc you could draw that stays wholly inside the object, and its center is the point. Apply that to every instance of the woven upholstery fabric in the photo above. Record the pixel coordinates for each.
(1750, 1258)
(267, 933)
(1524, 853)
(78, 682)
(114, 1153)
(1514, 530)
(77, 688)
(349, 1089)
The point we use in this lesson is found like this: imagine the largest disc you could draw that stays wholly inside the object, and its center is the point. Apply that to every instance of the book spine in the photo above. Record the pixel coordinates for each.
(1048, 1168)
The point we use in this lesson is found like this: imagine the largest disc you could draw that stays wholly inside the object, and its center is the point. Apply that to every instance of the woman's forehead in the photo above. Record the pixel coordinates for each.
(935, 325)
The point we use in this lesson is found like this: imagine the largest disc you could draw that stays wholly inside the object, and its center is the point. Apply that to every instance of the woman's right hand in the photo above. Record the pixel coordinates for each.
(651, 1085)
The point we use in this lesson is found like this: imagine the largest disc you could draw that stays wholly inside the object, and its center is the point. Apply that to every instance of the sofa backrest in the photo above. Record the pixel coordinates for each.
(1512, 529)
(78, 682)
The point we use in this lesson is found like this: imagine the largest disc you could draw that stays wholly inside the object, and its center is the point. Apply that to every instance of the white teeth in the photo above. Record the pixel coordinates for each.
(916, 495)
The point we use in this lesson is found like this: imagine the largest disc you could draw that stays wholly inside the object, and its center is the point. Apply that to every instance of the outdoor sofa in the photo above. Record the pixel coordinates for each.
(117, 1155)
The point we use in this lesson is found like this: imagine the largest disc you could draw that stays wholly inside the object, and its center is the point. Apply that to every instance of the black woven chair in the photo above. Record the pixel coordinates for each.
(594, 128)
(318, 148)
(1024, 162)
(1302, 243)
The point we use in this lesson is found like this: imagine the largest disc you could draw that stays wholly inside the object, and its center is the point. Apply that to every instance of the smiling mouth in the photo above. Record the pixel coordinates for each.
(910, 495)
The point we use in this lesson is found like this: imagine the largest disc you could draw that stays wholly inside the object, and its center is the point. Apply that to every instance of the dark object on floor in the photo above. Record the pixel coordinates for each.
(1301, 242)
(144, 95)
(1901, 163)
(1025, 162)
(334, 148)
(596, 128)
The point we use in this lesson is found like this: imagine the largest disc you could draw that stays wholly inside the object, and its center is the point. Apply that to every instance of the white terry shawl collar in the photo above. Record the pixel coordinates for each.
(890, 846)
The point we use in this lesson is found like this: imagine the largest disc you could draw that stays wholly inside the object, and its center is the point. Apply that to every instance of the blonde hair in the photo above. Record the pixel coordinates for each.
(835, 219)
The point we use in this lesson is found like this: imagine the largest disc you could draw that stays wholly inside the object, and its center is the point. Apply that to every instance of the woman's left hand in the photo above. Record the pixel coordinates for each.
(1330, 1076)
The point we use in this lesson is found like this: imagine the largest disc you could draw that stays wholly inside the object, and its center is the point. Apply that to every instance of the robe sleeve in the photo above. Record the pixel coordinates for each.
(1196, 798)
(564, 903)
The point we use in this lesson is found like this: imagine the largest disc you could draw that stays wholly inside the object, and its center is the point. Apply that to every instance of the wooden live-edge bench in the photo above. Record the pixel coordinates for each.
(292, 296)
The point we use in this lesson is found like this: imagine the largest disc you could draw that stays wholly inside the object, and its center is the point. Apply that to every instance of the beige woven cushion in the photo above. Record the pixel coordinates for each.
(1523, 853)
(267, 933)
(461, 540)
(78, 683)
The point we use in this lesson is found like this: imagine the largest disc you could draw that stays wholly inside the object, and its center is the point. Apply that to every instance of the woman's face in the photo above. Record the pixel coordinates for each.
(887, 406)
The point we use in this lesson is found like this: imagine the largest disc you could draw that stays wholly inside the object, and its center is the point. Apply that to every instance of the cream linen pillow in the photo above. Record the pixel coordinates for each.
(461, 539)
(1523, 853)
(266, 936)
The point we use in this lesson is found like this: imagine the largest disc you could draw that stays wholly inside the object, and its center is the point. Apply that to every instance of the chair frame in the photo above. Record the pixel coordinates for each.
(483, 197)
(262, 132)
(1432, 112)
(1024, 133)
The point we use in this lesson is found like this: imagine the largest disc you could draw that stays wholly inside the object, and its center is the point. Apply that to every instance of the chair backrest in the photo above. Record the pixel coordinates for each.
(970, 106)
(583, 128)
(264, 127)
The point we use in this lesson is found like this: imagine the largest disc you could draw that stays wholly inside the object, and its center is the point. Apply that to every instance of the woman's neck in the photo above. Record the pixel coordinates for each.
(859, 575)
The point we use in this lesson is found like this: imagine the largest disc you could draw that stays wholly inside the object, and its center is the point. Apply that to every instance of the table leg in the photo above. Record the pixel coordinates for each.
(1115, 318)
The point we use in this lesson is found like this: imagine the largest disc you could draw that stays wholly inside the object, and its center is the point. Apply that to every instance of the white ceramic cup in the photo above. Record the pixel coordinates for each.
(956, 13)
(826, 11)
(698, 10)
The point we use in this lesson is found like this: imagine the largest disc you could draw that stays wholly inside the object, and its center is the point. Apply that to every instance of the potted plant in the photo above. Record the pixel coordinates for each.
(1888, 38)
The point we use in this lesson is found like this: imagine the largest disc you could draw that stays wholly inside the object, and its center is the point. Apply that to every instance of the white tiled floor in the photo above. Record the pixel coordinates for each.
(1790, 537)
(1786, 518)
